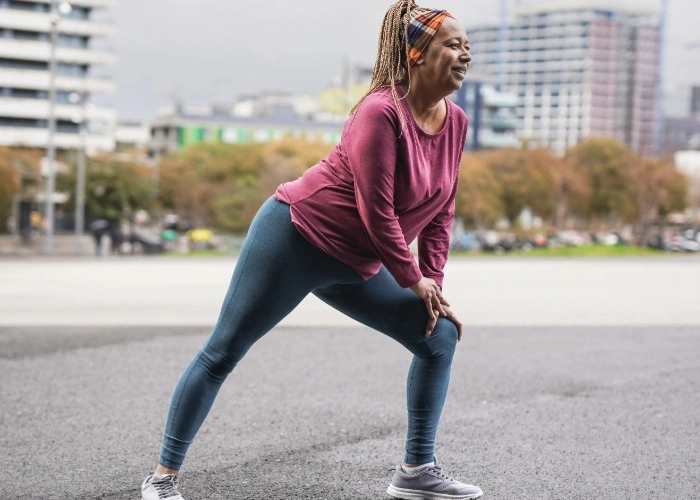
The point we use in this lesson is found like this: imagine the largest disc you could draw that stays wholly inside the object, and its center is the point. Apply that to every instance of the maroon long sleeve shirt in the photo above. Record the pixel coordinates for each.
(379, 189)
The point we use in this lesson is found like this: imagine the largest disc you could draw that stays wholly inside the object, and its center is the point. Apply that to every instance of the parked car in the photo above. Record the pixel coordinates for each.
(683, 244)
(464, 241)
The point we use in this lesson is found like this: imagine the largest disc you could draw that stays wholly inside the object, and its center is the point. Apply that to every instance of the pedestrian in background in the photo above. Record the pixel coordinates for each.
(342, 232)
(98, 229)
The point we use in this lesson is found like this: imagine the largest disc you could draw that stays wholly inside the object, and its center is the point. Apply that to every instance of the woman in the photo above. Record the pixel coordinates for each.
(342, 232)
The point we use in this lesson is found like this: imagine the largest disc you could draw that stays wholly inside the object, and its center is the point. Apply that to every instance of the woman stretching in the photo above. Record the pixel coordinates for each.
(342, 232)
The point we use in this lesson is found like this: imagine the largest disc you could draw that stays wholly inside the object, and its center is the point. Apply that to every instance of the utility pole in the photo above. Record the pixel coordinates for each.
(51, 147)
(80, 177)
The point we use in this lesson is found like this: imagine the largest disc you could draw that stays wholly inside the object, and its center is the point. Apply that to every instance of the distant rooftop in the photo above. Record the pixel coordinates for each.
(563, 5)
(204, 115)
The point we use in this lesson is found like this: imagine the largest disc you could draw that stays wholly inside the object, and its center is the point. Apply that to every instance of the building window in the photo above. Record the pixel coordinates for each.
(72, 41)
(13, 4)
(22, 64)
(20, 122)
(65, 69)
(80, 13)
(26, 35)
(24, 93)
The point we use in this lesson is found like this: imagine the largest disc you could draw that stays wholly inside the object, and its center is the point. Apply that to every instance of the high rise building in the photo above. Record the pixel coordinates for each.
(580, 69)
(25, 48)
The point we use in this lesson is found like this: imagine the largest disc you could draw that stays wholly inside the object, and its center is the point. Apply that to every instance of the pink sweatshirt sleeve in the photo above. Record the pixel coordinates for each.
(434, 242)
(371, 148)
(434, 239)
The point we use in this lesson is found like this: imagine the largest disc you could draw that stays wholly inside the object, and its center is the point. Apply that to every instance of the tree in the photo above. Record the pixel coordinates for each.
(223, 185)
(556, 187)
(182, 191)
(9, 186)
(19, 172)
(508, 167)
(658, 188)
(479, 194)
(114, 189)
(604, 165)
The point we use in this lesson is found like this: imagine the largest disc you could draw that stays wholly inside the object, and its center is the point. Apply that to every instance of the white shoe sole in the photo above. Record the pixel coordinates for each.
(406, 494)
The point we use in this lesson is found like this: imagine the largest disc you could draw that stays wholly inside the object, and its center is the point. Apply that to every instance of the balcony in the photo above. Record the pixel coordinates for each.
(39, 80)
(39, 138)
(499, 122)
(12, 107)
(41, 22)
(490, 139)
(493, 98)
(40, 51)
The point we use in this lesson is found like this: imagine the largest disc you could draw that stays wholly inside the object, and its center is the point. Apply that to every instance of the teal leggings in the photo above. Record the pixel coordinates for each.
(277, 268)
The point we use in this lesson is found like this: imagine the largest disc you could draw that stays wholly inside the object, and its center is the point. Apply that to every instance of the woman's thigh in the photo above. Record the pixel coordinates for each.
(383, 305)
(276, 269)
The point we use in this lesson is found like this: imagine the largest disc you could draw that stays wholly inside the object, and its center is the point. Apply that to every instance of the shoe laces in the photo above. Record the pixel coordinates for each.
(166, 486)
(439, 472)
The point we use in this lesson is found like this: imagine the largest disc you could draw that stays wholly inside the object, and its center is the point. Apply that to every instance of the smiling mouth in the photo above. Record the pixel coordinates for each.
(460, 71)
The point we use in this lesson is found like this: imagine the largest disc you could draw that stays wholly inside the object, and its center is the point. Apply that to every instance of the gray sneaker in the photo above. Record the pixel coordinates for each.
(157, 487)
(430, 483)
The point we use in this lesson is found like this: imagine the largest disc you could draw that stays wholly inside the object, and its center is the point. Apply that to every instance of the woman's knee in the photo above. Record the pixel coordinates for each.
(443, 340)
(217, 363)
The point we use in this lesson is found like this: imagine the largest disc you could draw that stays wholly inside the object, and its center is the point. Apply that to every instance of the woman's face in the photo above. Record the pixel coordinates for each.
(444, 63)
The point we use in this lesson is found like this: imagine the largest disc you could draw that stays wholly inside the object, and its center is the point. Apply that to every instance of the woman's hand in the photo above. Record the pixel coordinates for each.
(451, 316)
(435, 303)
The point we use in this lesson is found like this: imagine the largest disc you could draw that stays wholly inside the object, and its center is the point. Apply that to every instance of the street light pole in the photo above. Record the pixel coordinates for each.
(80, 179)
(51, 147)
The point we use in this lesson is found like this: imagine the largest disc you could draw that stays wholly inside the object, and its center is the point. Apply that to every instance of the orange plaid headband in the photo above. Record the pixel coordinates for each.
(421, 31)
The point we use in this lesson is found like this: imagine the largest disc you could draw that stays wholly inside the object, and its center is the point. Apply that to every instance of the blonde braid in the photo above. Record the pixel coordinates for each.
(391, 67)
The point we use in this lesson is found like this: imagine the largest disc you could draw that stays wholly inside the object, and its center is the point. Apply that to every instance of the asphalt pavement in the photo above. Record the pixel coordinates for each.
(567, 410)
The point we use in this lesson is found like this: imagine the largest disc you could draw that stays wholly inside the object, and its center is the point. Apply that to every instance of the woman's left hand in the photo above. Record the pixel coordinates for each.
(451, 316)
(445, 312)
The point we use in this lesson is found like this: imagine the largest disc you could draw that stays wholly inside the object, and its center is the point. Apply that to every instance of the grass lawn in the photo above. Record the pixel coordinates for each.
(200, 253)
(582, 251)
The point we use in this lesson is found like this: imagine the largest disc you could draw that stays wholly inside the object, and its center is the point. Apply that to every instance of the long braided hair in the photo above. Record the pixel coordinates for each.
(391, 67)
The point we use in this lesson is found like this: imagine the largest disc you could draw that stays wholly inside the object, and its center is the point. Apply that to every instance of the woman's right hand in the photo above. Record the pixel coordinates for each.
(429, 291)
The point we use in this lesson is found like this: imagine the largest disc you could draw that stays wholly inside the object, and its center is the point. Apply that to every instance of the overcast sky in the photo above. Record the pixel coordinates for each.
(207, 51)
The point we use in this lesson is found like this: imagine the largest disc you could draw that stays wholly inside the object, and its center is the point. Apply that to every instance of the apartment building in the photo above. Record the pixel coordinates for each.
(580, 69)
(25, 48)
(491, 113)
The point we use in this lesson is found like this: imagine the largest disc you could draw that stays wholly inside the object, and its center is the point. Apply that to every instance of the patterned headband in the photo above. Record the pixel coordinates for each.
(421, 31)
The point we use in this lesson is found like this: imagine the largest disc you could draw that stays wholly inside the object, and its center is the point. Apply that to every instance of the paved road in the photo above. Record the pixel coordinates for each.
(576, 409)
(317, 413)
(484, 291)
